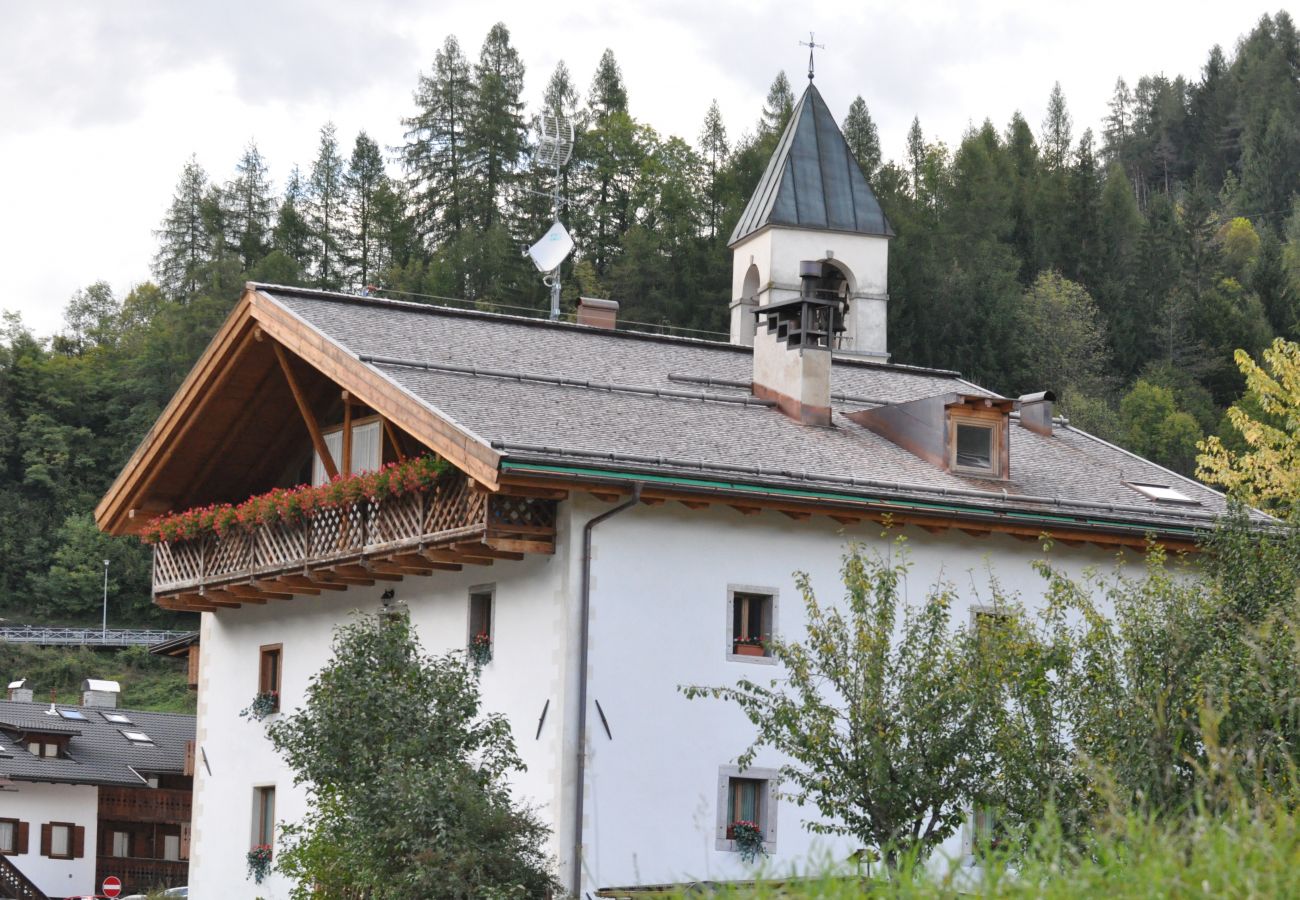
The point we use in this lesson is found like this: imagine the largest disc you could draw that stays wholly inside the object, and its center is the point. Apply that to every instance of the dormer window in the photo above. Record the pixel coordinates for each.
(977, 437)
(974, 448)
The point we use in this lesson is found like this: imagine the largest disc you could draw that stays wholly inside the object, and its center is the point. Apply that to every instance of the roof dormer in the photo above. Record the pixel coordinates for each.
(965, 434)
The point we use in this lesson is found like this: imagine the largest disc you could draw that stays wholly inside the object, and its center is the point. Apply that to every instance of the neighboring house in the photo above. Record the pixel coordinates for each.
(91, 791)
(625, 515)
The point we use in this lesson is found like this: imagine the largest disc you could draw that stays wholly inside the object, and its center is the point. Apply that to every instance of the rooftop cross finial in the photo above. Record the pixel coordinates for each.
(811, 47)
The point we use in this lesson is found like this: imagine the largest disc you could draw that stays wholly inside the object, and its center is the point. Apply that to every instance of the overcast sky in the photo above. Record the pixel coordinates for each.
(102, 102)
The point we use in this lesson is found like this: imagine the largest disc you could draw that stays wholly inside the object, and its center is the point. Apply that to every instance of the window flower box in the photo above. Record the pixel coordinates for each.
(259, 862)
(749, 839)
(263, 705)
(750, 647)
(480, 650)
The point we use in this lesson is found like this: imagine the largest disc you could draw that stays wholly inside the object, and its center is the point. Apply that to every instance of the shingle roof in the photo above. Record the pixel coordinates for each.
(812, 180)
(98, 753)
(542, 392)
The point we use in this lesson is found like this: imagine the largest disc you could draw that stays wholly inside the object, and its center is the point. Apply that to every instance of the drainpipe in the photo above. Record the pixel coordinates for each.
(582, 678)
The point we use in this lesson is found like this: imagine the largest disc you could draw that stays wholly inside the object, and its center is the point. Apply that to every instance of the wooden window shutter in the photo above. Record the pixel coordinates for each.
(46, 831)
(194, 667)
(189, 758)
(185, 840)
(78, 841)
(20, 839)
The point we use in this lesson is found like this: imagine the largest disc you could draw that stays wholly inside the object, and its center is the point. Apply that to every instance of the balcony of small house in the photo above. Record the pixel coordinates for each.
(144, 805)
(444, 524)
(140, 875)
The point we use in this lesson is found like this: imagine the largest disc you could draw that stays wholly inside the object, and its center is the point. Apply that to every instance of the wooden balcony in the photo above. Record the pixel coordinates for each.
(144, 805)
(446, 527)
(140, 875)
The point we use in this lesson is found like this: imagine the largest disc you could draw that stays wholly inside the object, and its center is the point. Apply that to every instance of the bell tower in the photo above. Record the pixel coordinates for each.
(813, 206)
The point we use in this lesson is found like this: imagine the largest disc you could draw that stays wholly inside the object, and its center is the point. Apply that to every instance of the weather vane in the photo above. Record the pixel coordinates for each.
(811, 47)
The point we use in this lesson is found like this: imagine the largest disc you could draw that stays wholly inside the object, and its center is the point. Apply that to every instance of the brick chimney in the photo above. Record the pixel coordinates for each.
(792, 350)
(597, 313)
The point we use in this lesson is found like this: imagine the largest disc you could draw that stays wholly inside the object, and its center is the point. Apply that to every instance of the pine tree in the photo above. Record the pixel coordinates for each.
(713, 145)
(325, 211)
(365, 186)
(435, 154)
(561, 95)
(184, 243)
(779, 106)
(915, 154)
(291, 235)
(607, 160)
(1056, 130)
(495, 132)
(1119, 123)
(248, 208)
(608, 93)
(861, 135)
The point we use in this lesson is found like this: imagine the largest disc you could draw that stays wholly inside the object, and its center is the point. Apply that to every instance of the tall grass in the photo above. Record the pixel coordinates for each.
(1246, 852)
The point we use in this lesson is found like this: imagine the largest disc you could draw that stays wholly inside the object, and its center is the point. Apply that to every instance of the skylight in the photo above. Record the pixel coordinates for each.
(116, 718)
(72, 714)
(137, 737)
(1161, 493)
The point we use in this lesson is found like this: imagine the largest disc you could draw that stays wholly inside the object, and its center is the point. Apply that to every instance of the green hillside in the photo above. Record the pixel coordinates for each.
(148, 682)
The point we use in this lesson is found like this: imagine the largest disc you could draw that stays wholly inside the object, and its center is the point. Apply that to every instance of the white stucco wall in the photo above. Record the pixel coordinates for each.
(528, 668)
(659, 619)
(37, 804)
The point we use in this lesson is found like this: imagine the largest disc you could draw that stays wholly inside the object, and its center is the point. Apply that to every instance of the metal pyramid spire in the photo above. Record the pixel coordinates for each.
(812, 180)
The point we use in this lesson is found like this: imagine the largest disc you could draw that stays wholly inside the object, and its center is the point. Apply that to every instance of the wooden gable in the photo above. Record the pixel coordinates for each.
(242, 414)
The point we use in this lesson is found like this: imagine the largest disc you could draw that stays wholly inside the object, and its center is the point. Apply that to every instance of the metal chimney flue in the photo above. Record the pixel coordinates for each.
(1036, 412)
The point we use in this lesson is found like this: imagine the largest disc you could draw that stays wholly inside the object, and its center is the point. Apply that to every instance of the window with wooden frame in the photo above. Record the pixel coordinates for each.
(366, 451)
(977, 438)
(481, 614)
(13, 837)
(746, 796)
(269, 670)
(63, 840)
(264, 817)
(751, 622)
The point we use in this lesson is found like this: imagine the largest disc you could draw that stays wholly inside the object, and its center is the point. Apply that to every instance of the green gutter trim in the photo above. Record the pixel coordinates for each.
(1048, 518)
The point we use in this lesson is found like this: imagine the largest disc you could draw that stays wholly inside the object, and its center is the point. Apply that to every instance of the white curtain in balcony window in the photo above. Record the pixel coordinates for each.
(171, 846)
(7, 837)
(121, 843)
(366, 450)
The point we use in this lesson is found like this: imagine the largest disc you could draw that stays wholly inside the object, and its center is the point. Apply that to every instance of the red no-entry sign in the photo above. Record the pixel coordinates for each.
(112, 886)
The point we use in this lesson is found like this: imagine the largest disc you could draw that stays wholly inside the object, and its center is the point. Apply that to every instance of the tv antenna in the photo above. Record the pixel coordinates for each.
(554, 148)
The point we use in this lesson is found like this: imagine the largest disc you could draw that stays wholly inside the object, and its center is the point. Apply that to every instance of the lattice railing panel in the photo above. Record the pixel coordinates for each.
(396, 518)
(521, 515)
(280, 544)
(453, 504)
(229, 554)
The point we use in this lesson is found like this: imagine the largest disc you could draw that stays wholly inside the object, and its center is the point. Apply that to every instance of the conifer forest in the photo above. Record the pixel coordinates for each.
(1119, 266)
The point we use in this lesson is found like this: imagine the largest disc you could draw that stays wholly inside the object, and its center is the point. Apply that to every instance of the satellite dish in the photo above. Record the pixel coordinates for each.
(553, 249)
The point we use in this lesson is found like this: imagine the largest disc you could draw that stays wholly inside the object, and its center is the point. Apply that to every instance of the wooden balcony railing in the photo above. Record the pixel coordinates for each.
(140, 875)
(144, 805)
(443, 527)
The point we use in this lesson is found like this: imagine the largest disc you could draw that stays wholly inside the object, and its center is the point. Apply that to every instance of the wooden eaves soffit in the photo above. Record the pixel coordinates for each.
(204, 416)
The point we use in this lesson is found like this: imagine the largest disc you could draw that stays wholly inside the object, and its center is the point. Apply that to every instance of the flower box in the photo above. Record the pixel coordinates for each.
(750, 650)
